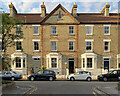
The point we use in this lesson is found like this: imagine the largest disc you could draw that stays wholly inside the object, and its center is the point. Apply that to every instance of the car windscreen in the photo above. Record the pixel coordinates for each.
(40, 72)
(14, 72)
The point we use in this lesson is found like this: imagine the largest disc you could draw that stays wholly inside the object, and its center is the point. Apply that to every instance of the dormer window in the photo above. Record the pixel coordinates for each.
(59, 15)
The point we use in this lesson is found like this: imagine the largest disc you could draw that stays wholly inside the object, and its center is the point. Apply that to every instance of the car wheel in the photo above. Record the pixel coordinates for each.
(51, 79)
(12, 78)
(89, 79)
(72, 78)
(32, 79)
(105, 79)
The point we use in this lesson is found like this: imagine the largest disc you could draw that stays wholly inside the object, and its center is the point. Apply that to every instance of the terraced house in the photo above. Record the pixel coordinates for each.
(67, 42)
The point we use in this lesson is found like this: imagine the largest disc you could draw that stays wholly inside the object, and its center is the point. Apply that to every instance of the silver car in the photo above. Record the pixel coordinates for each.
(10, 75)
(81, 75)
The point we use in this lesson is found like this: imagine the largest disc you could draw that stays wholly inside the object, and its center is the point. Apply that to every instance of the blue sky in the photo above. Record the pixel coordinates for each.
(89, 6)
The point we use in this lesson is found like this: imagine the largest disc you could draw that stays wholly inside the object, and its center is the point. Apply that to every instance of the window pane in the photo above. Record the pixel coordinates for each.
(88, 45)
(89, 62)
(106, 29)
(35, 29)
(53, 29)
(36, 46)
(88, 30)
(71, 29)
(53, 45)
(83, 62)
(71, 44)
(24, 62)
(18, 30)
(106, 46)
(54, 62)
(18, 62)
(18, 45)
(59, 15)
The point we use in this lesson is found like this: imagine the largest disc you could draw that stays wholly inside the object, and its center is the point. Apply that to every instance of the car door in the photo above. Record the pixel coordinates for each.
(39, 75)
(118, 74)
(113, 75)
(77, 76)
(46, 74)
(8, 75)
(83, 75)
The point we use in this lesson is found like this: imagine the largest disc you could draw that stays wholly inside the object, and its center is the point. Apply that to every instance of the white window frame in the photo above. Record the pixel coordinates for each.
(109, 29)
(56, 62)
(87, 62)
(89, 40)
(21, 44)
(91, 29)
(70, 30)
(69, 46)
(18, 30)
(34, 46)
(107, 40)
(36, 40)
(20, 63)
(106, 57)
(55, 46)
(53, 30)
(33, 29)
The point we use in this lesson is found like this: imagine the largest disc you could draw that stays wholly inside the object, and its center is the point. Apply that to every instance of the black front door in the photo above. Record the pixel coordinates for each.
(71, 66)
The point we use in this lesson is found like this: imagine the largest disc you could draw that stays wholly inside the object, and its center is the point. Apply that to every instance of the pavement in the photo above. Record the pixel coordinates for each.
(17, 90)
(28, 87)
(109, 91)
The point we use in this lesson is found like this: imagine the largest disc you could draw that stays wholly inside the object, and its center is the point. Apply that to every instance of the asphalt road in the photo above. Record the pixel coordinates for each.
(65, 87)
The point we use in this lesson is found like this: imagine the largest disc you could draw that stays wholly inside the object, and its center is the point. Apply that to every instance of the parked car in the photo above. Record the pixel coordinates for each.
(112, 75)
(81, 75)
(10, 75)
(43, 75)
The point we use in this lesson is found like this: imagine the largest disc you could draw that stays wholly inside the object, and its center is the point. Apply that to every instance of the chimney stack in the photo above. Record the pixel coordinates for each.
(74, 10)
(13, 11)
(43, 10)
(105, 9)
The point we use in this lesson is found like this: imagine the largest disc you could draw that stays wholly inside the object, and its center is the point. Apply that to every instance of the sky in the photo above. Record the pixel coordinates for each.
(33, 6)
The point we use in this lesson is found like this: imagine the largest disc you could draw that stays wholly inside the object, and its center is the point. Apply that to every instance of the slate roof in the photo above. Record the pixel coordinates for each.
(82, 18)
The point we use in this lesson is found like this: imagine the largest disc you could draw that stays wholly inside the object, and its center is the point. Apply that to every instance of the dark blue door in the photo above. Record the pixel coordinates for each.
(106, 65)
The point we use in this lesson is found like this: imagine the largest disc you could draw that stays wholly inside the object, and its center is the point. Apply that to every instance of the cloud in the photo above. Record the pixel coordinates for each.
(23, 6)
(35, 10)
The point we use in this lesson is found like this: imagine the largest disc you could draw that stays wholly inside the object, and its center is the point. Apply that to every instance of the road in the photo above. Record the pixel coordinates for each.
(65, 87)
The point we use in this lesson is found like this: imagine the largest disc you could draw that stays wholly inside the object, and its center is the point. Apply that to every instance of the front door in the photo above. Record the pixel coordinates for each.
(106, 64)
(71, 66)
(36, 64)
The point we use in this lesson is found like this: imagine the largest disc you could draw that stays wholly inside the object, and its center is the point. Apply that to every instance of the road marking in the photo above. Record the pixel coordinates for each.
(34, 89)
(94, 94)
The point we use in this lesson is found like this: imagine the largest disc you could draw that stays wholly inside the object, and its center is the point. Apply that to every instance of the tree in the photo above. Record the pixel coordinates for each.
(9, 37)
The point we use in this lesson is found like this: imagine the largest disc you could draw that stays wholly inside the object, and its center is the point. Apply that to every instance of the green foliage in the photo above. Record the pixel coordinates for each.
(9, 36)
(42, 67)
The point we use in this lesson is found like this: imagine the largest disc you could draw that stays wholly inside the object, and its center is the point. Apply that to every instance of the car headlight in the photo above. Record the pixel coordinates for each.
(29, 75)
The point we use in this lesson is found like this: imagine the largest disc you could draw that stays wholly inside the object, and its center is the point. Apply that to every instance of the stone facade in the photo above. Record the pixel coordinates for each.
(64, 57)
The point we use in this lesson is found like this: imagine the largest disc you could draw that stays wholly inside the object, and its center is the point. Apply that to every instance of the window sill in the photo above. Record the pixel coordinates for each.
(72, 34)
(18, 50)
(107, 34)
(35, 34)
(36, 51)
(107, 51)
(89, 34)
(89, 50)
(18, 68)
